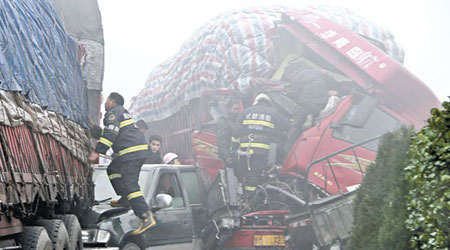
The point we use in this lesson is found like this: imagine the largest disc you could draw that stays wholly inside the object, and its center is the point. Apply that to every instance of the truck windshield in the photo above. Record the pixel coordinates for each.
(378, 122)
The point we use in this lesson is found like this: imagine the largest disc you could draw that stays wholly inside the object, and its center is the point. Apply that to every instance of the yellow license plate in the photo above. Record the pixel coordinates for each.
(268, 240)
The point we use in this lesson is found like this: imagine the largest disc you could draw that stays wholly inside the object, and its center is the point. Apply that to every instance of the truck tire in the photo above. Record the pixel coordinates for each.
(130, 246)
(74, 231)
(34, 238)
(57, 233)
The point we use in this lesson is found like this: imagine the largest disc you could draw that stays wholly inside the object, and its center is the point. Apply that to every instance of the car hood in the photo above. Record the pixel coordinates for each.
(118, 221)
(101, 212)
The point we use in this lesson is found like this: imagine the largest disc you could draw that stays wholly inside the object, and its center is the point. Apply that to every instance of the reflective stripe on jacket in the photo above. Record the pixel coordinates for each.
(121, 134)
(258, 127)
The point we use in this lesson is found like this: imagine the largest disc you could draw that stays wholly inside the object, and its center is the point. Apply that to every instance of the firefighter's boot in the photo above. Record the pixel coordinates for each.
(122, 202)
(147, 222)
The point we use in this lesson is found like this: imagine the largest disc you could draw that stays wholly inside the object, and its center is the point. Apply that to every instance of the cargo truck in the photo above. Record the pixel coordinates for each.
(51, 69)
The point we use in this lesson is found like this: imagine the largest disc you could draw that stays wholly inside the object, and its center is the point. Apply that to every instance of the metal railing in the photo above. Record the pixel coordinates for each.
(327, 159)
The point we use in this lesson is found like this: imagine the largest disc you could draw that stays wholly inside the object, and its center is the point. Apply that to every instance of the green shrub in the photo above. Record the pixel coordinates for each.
(380, 207)
(428, 176)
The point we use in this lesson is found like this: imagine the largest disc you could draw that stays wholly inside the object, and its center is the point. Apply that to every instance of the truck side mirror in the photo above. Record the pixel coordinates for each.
(163, 201)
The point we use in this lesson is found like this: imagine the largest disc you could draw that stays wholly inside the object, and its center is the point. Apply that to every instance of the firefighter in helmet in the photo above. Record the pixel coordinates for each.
(129, 144)
(260, 132)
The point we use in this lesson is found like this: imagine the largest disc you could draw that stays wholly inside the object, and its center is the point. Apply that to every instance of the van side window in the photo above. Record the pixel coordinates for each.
(169, 184)
(191, 183)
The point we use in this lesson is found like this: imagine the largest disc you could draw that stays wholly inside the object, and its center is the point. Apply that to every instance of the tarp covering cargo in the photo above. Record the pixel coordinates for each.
(39, 59)
(83, 22)
(228, 52)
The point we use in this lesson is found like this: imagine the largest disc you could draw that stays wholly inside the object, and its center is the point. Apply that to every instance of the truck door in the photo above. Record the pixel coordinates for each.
(175, 222)
(359, 120)
(197, 195)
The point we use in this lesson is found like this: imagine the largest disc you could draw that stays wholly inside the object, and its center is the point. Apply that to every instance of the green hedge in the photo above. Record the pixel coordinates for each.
(428, 176)
(404, 200)
(380, 206)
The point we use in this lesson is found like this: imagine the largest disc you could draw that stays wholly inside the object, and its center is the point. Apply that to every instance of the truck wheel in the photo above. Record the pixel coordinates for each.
(34, 238)
(57, 233)
(130, 246)
(74, 231)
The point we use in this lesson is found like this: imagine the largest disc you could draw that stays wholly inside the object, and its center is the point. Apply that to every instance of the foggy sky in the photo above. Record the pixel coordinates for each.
(140, 34)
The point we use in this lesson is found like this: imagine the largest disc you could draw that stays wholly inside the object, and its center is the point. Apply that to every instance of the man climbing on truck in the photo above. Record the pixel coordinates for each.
(309, 91)
(121, 133)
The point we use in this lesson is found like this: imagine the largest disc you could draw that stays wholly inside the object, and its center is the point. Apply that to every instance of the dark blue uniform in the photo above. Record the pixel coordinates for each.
(259, 127)
(131, 148)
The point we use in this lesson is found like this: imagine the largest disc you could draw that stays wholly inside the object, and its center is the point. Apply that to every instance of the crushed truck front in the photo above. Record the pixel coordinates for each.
(184, 99)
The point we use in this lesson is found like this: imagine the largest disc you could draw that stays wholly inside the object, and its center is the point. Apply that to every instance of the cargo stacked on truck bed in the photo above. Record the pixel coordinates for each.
(45, 181)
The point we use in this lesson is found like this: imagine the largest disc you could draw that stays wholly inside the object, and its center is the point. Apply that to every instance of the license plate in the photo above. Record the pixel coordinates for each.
(268, 240)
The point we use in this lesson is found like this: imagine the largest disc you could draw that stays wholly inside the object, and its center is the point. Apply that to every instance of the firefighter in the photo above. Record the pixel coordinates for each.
(127, 141)
(260, 131)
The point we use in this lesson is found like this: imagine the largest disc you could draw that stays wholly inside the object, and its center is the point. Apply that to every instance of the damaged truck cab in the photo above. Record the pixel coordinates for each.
(307, 202)
(328, 161)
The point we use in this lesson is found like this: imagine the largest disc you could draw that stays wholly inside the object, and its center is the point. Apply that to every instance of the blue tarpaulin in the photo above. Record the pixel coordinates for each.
(39, 59)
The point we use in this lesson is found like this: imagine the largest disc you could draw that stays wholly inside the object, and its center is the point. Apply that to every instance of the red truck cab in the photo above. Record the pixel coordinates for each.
(387, 96)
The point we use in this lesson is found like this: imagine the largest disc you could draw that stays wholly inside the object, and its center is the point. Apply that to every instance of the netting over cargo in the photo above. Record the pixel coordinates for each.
(39, 59)
(228, 52)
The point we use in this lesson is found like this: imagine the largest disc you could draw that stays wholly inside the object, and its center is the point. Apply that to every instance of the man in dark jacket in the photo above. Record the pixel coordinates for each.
(309, 91)
(121, 134)
(154, 156)
(225, 126)
(260, 131)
